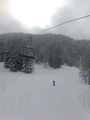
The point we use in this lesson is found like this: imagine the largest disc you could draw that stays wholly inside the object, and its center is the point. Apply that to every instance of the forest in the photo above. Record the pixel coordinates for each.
(53, 50)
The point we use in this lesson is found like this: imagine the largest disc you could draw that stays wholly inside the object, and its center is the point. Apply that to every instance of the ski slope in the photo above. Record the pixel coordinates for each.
(33, 97)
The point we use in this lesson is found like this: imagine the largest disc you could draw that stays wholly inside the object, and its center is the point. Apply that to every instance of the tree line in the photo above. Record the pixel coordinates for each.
(53, 49)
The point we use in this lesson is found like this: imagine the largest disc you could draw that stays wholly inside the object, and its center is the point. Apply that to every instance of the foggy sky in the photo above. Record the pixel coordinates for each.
(73, 9)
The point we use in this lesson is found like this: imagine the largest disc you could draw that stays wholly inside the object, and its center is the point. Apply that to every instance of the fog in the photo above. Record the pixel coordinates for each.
(73, 9)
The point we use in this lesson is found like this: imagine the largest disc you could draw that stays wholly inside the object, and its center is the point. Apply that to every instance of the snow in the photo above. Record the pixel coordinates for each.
(33, 96)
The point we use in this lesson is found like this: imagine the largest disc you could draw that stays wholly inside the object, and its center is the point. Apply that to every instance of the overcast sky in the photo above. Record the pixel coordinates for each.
(72, 9)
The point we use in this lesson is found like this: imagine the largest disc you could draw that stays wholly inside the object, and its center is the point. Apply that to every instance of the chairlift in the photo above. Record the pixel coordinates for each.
(26, 56)
(6, 52)
(27, 51)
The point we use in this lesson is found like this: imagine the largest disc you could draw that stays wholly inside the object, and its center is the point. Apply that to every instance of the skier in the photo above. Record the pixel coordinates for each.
(53, 82)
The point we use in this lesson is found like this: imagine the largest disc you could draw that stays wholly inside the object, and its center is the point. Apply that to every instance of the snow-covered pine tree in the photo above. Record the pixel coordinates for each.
(85, 69)
(55, 55)
(55, 61)
(15, 64)
(27, 66)
(6, 59)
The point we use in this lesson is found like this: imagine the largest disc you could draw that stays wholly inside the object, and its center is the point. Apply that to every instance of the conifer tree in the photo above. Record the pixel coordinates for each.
(27, 66)
(55, 55)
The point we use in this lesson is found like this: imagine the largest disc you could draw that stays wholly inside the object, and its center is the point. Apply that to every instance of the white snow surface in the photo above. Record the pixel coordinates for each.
(33, 97)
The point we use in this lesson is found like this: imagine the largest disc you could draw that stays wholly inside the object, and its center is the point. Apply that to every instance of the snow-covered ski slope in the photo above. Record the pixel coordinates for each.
(33, 97)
